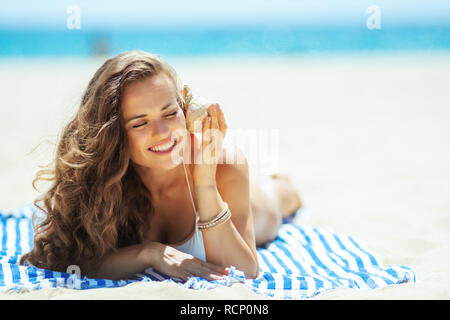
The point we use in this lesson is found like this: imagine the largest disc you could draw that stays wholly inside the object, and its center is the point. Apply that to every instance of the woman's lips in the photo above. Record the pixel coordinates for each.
(166, 151)
(162, 143)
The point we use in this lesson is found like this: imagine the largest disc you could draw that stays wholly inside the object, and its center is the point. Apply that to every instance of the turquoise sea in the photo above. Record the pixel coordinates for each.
(221, 41)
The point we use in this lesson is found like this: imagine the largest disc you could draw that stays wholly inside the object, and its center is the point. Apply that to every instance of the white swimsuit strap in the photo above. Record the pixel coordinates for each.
(190, 194)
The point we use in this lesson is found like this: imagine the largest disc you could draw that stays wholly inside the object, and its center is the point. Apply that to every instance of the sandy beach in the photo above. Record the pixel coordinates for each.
(365, 138)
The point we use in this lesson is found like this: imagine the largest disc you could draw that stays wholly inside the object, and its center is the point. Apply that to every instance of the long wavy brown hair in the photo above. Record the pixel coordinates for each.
(96, 202)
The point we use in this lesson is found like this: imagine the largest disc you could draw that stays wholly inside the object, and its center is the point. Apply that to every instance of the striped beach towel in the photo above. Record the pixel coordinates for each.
(301, 262)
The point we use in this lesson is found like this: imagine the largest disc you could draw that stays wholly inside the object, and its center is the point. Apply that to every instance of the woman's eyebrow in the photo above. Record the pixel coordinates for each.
(144, 115)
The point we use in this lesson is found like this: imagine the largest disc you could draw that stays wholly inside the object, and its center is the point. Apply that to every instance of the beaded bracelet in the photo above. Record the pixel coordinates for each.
(221, 218)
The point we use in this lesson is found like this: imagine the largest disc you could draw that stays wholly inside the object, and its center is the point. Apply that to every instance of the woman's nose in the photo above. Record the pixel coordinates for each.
(159, 128)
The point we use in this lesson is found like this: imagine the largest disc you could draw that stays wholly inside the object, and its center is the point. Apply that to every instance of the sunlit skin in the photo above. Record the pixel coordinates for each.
(151, 115)
(152, 126)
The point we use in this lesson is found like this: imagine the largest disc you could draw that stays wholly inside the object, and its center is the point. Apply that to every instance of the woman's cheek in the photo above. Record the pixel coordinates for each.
(180, 130)
(135, 142)
(180, 118)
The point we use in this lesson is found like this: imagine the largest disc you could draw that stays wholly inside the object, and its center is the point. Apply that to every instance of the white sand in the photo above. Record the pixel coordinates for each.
(366, 140)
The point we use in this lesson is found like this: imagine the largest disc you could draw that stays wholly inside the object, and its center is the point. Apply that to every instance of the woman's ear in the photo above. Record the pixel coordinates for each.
(183, 105)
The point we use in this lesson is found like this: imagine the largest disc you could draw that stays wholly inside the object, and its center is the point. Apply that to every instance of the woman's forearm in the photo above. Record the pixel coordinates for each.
(124, 262)
(224, 245)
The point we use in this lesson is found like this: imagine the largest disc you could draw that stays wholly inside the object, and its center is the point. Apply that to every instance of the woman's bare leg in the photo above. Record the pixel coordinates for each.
(287, 194)
(272, 199)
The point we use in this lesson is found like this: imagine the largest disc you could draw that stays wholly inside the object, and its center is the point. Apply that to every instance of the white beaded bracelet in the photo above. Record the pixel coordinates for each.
(221, 218)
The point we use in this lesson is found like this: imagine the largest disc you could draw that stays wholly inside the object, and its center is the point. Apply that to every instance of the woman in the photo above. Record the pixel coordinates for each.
(119, 203)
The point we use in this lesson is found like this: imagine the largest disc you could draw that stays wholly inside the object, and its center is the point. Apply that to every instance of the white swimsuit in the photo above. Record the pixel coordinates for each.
(194, 245)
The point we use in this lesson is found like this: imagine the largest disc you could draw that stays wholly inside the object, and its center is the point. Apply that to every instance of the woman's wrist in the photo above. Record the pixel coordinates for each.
(205, 183)
(151, 252)
(209, 201)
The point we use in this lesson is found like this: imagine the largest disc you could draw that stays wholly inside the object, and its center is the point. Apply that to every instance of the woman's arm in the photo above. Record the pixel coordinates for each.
(123, 263)
(232, 243)
(127, 261)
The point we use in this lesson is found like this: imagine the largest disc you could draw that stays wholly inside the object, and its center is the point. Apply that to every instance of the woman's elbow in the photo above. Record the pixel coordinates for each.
(252, 272)
(252, 275)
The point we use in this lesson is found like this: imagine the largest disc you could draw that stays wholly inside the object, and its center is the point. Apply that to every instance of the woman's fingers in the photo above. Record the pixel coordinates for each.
(206, 129)
(210, 109)
(180, 265)
(214, 118)
(213, 277)
(218, 269)
(213, 134)
(207, 270)
(195, 267)
(210, 276)
(185, 276)
(222, 123)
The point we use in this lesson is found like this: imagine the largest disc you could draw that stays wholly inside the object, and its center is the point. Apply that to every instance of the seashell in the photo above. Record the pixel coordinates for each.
(196, 110)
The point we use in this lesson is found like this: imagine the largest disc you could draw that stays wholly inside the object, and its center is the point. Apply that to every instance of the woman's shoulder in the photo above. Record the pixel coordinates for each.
(232, 165)
(233, 184)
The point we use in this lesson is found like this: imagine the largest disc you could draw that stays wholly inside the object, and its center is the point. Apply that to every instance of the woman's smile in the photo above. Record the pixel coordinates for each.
(165, 148)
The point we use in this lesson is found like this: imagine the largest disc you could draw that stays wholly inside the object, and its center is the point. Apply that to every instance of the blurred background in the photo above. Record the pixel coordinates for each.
(198, 28)
(349, 98)
(288, 73)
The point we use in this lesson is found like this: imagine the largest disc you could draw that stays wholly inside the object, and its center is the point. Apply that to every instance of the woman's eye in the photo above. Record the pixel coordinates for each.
(144, 123)
(172, 114)
(139, 125)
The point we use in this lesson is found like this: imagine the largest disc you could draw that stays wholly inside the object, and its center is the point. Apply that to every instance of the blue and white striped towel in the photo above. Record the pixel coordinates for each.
(302, 262)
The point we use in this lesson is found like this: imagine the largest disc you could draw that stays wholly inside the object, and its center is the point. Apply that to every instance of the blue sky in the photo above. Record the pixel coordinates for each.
(112, 14)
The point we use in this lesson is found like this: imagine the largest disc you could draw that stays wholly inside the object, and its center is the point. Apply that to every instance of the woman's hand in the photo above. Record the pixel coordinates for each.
(178, 264)
(214, 129)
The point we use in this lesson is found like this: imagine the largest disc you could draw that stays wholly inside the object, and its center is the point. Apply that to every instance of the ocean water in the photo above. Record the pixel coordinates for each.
(193, 42)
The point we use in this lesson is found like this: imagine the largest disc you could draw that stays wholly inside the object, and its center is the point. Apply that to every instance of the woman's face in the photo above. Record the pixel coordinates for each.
(152, 117)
